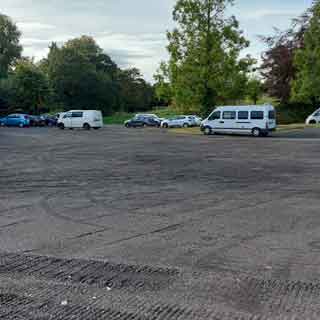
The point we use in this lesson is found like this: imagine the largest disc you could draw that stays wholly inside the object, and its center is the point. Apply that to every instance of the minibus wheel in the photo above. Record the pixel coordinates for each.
(207, 131)
(86, 126)
(256, 132)
(61, 126)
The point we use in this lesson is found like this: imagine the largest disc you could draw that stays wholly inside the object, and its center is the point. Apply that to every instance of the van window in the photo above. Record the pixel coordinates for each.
(257, 115)
(272, 115)
(215, 116)
(77, 114)
(229, 115)
(67, 115)
(243, 115)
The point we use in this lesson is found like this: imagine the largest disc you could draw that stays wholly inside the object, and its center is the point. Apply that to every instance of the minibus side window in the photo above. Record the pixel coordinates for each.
(243, 115)
(272, 115)
(215, 116)
(257, 115)
(229, 115)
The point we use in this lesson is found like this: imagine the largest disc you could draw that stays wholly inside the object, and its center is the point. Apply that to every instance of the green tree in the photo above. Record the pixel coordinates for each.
(30, 87)
(135, 93)
(83, 76)
(163, 88)
(10, 49)
(204, 66)
(254, 89)
(305, 86)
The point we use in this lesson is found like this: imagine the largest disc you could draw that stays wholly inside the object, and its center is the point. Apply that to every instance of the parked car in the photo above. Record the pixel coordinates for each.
(195, 121)
(85, 119)
(150, 115)
(50, 121)
(16, 120)
(37, 121)
(141, 120)
(255, 120)
(177, 122)
(314, 118)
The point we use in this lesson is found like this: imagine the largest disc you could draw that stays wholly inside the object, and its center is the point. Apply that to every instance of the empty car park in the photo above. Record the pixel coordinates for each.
(114, 225)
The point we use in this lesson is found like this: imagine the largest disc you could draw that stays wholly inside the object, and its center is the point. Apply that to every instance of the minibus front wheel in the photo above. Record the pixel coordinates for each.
(256, 132)
(207, 131)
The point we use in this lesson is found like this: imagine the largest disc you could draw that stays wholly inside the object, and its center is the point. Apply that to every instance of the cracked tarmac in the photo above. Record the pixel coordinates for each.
(146, 224)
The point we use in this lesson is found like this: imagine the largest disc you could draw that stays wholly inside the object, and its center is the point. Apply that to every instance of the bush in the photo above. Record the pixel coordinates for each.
(294, 113)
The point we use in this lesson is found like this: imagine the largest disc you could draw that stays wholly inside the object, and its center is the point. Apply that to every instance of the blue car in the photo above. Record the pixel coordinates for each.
(16, 120)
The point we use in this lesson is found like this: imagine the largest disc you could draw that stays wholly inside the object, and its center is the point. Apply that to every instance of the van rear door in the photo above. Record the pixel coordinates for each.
(272, 122)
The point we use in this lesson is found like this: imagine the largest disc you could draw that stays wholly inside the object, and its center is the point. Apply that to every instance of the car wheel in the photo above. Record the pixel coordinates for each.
(207, 131)
(127, 125)
(186, 125)
(21, 125)
(61, 126)
(256, 132)
(165, 125)
(86, 126)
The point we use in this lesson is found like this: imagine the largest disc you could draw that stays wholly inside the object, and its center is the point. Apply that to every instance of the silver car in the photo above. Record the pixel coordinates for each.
(195, 121)
(177, 122)
(314, 118)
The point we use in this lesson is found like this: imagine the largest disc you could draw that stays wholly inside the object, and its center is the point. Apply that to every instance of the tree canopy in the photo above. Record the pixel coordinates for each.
(10, 49)
(305, 86)
(76, 75)
(204, 66)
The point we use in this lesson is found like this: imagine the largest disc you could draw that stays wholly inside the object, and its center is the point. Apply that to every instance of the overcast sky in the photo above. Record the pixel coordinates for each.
(132, 31)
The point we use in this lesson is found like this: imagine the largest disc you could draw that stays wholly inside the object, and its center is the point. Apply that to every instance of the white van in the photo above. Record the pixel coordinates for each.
(255, 120)
(85, 119)
(314, 118)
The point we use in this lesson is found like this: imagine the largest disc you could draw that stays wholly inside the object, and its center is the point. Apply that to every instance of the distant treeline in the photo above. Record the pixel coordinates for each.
(77, 75)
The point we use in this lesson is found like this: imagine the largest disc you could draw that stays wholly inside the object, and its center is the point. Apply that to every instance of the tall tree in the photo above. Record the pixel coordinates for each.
(204, 66)
(278, 69)
(31, 87)
(305, 87)
(135, 92)
(254, 89)
(10, 49)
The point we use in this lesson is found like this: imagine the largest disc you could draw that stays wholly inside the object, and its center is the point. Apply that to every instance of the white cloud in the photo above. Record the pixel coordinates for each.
(34, 26)
(132, 32)
(267, 13)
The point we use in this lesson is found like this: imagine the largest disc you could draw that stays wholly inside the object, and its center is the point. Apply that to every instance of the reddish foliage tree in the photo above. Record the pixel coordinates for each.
(277, 66)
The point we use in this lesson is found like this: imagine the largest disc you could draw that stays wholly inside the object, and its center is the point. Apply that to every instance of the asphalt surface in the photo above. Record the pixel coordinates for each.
(147, 224)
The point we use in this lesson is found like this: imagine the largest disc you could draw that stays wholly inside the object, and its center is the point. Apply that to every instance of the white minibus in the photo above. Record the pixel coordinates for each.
(255, 120)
